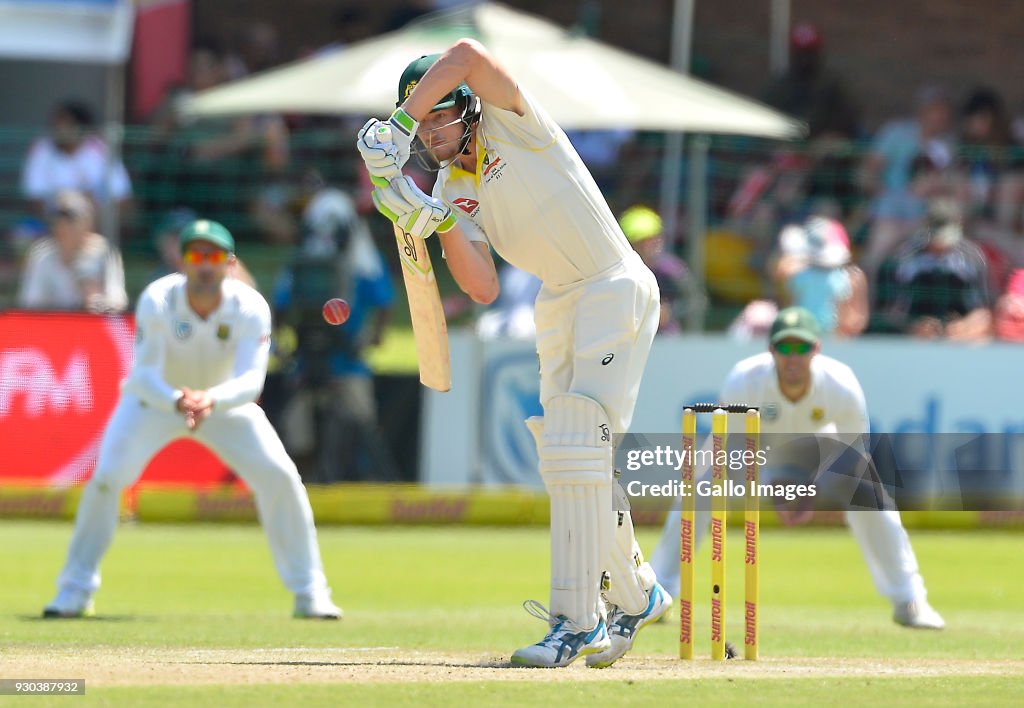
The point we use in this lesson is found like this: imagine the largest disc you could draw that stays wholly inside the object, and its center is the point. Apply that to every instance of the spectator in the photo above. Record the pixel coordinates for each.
(74, 268)
(74, 157)
(928, 182)
(812, 93)
(643, 229)
(754, 321)
(886, 171)
(984, 145)
(330, 423)
(226, 167)
(1009, 314)
(939, 282)
(259, 50)
(1010, 192)
(769, 196)
(822, 279)
(991, 175)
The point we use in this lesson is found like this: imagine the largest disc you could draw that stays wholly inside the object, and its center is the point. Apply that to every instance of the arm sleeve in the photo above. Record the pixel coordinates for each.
(882, 145)
(853, 409)
(31, 293)
(250, 363)
(534, 128)
(114, 295)
(120, 184)
(146, 379)
(34, 184)
(472, 232)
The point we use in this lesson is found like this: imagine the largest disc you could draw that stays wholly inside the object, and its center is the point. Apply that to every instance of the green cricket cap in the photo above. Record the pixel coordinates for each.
(209, 231)
(796, 323)
(415, 71)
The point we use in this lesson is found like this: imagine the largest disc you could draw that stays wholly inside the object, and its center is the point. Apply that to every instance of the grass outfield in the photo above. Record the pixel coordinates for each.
(194, 615)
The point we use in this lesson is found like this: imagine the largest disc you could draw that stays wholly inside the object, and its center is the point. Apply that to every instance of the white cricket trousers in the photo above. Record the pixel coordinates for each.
(244, 440)
(594, 337)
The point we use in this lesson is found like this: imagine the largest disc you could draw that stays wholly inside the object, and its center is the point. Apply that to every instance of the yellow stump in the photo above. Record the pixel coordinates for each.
(688, 512)
(719, 426)
(751, 530)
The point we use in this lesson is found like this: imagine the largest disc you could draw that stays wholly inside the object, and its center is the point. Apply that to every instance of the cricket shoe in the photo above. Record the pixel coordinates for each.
(565, 642)
(917, 614)
(69, 604)
(316, 606)
(623, 628)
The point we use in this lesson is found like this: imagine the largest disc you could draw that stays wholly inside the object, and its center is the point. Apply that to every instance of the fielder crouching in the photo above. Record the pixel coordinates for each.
(509, 178)
(201, 346)
(807, 395)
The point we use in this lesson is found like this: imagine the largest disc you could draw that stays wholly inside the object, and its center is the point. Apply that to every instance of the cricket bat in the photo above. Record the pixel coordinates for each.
(429, 327)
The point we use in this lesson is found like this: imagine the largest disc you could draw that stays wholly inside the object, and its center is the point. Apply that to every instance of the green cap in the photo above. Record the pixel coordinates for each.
(640, 223)
(415, 71)
(209, 231)
(795, 322)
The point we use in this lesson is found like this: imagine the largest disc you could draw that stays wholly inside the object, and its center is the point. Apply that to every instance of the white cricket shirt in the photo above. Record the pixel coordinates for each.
(533, 199)
(225, 354)
(834, 404)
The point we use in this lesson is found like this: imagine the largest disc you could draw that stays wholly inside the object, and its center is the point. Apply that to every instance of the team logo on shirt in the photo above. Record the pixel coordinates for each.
(493, 166)
(770, 411)
(223, 332)
(470, 206)
(182, 329)
(817, 414)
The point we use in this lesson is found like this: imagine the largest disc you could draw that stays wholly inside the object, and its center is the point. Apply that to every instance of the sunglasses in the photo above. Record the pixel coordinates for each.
(64, 214)
(193, 257)
(790, 348)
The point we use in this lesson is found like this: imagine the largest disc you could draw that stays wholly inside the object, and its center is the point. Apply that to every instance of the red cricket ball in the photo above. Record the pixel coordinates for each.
(336, 311)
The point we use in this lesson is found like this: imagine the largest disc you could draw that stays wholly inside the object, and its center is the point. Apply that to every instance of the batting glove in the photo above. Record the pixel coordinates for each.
(405, 205)
(379, 153)
(403, 130)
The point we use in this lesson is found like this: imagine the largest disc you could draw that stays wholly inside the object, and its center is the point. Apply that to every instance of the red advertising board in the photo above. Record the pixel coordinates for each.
(60, 376)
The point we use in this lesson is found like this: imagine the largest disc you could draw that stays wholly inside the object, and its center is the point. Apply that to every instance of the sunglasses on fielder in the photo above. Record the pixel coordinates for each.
(791, 348)
(193, 257)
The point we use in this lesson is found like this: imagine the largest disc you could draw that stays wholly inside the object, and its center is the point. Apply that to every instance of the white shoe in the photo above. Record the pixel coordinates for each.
(70, 603)
(316, 606)
(565, 642)
(917, 614)
(623, 628)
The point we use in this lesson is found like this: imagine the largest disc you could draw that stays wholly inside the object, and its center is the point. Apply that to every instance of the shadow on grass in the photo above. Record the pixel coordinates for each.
(495, 664)
(94, 618)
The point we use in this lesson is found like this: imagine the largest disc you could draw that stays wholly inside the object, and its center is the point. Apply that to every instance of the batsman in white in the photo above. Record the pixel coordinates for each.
(201, 345)
(800, 390)
(516, 184)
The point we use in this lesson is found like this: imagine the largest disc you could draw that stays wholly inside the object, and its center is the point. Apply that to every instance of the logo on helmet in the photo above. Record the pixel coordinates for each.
(409, 87)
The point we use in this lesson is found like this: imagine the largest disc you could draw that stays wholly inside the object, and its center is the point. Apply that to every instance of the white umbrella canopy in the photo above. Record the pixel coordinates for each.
(583, 83)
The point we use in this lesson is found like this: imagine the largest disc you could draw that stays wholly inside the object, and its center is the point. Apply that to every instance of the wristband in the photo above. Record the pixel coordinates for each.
(404, 122)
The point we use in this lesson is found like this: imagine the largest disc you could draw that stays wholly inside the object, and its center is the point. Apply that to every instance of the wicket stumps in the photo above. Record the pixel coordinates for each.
(719, 525)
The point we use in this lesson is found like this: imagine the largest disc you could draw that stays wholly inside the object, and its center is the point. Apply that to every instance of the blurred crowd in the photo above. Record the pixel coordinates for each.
(914, 228)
